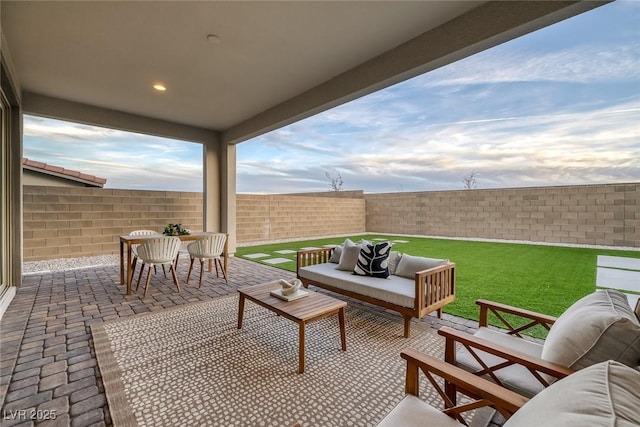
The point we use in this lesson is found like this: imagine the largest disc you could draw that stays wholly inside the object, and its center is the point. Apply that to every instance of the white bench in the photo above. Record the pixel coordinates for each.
(619, 273)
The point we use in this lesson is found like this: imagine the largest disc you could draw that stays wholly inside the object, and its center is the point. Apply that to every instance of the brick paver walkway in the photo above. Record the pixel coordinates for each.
(47, 359)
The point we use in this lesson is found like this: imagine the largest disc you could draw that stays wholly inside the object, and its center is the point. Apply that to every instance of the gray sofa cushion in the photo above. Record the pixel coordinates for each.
(604, 394)
(394, 259)
(335, 255)
(396, 290)
(409, 265)
(598, 327)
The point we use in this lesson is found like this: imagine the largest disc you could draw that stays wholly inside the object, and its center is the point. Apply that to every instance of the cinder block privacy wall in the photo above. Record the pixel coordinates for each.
(66, 222)
(261, 218)
(74, 222)
(606, 214)
(71, 222)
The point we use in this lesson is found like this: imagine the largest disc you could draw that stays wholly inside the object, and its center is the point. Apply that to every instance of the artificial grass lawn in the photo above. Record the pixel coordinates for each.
(546, 279)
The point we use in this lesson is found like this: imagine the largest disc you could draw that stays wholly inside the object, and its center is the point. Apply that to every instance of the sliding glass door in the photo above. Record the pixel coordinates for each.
(4, 201)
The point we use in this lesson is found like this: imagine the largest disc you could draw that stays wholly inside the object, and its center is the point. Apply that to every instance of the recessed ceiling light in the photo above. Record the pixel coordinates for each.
(159, 87)
(213, 39)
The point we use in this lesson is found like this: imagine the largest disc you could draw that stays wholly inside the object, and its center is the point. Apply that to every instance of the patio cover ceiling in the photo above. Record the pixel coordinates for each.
(276, 62)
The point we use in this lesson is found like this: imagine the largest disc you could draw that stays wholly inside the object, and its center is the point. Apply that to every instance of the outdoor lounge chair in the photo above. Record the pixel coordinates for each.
(159, 251)
(605, 394)
(601, 326)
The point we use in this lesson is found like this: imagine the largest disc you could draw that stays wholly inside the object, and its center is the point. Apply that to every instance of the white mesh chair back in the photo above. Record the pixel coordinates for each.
(161, 250)
(134, 248)
(209, 246)
(143, 233)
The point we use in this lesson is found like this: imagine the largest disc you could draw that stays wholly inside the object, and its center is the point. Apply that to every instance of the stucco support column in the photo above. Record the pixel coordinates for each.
(219, 196)
(228, 193)
(211, 189)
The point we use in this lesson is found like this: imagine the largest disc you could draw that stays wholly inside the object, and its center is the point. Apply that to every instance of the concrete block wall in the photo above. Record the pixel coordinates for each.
(607, 214)
(72, 222)
(346, 194)
(277, 217)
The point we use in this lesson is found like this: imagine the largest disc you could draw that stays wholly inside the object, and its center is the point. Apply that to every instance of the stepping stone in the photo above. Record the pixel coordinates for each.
(285, 251)
(308, 248)
(277, 260)
(623, 280)
(258, 255)
(400, 241)
(619, 262)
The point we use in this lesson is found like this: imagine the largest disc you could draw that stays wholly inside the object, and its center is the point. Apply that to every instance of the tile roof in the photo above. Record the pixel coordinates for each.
(65, 173)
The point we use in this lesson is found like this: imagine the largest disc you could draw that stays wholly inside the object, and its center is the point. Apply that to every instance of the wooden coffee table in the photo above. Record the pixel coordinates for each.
(302, 311)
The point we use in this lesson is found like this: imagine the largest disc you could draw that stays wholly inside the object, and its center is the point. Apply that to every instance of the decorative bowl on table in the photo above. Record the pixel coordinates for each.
(175, 230)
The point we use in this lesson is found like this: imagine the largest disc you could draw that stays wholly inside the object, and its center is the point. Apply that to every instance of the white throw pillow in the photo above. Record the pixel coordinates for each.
(605, 394)
(598, 327)
(409, 265)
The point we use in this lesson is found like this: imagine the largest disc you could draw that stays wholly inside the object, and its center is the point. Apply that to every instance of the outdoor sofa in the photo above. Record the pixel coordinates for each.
(415, 287)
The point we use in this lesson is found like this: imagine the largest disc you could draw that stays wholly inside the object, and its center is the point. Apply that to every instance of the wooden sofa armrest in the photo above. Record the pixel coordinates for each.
(490, 394)
(313, 257)
(434, 288)
(535, 365)
(497, 309)
(435, 270)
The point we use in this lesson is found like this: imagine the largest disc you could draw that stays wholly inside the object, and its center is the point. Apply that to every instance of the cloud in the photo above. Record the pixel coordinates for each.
(552, 149)
(584, 66)
(126, 160)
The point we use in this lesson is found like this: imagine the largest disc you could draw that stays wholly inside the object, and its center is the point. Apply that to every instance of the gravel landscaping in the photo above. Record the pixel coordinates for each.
(66, 264)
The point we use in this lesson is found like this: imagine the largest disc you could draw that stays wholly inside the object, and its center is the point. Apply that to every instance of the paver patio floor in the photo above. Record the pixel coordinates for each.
(47, 358)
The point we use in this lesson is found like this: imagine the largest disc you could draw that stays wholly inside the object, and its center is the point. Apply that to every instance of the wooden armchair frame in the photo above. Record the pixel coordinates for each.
(497, 309)
(486, 393)
(472, 344)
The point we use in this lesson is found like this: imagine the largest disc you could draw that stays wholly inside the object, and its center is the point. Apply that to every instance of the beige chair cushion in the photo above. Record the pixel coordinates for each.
(514, 377)
(413, 412)
(605, 394)
(601, 326)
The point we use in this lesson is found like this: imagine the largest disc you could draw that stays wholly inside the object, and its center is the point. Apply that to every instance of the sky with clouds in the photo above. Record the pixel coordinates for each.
(559, 106)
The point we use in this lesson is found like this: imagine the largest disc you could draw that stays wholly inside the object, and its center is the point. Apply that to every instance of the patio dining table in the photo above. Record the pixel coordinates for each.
(128, 241)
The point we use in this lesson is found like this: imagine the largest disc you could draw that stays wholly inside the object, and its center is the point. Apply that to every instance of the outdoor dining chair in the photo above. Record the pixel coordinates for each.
(211, 247)
(159, 251)
(134, 248)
